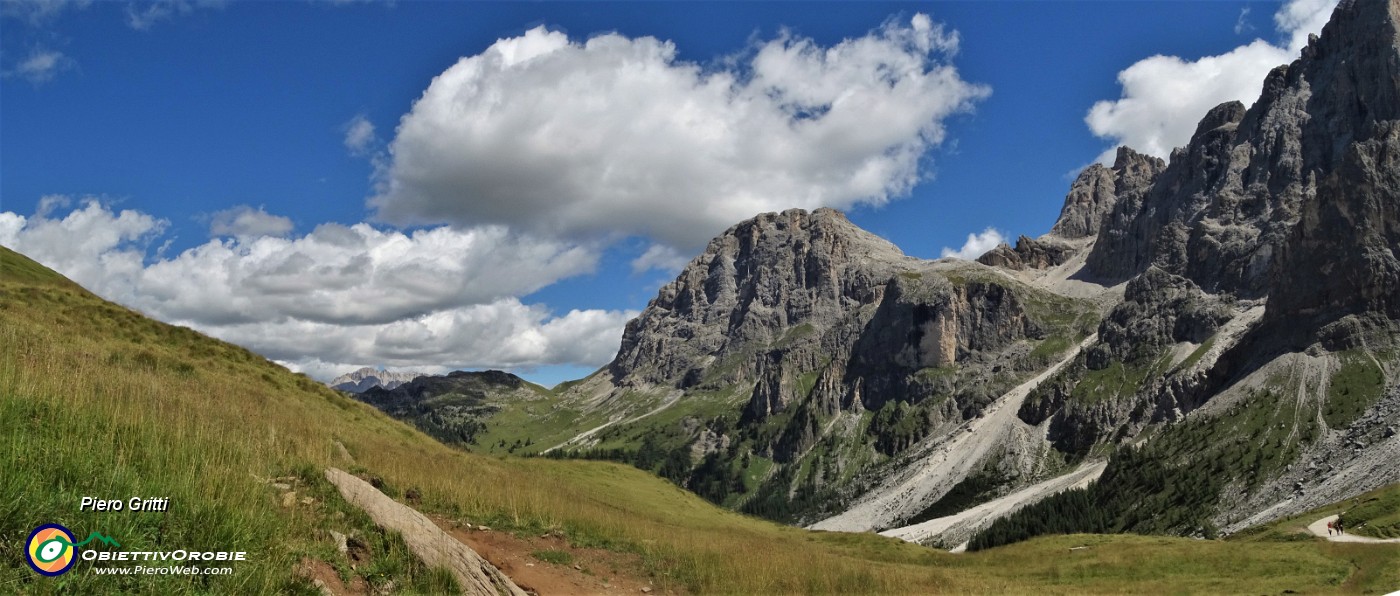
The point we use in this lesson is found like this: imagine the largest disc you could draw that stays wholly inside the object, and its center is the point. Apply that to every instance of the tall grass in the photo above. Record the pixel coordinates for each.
(96, 400)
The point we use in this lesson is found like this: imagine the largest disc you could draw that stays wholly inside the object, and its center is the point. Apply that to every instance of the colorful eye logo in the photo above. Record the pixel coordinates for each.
(50, 550)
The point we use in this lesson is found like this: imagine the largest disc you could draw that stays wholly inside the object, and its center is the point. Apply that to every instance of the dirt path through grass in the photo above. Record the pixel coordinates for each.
(428, 542)
(550, 566)
(1319, 528)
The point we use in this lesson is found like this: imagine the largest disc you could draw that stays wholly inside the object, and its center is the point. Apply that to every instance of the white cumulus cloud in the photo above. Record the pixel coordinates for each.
(615, 136)
(359, 135)
(245, 221)
(348, 295)
(1165, 96)
(503, 334)
(976, 245)
(101, 249)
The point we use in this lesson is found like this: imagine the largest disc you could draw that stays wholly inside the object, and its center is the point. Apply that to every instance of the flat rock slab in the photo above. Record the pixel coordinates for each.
(428, 542)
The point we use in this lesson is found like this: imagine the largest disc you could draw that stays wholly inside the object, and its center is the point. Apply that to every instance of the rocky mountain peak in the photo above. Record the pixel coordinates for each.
(758, 279)
(1097, 189)
(1222, 209)
(1134, 167)
(1224, 116)
(1090, 197)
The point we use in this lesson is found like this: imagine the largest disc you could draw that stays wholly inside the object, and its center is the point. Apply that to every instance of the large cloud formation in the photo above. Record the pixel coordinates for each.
(339, 296)
(538, 153)
(615, 136)
(1165, 96)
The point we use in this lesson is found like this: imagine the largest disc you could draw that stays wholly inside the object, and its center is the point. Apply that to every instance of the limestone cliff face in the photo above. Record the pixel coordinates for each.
(777, 276)
(1339, 266)
(1228, 202)
(932, 324)
(793, 294)
(1097, 190)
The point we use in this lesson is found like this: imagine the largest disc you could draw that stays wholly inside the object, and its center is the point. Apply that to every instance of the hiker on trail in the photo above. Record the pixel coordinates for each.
(1330, 525)
(1340, 530)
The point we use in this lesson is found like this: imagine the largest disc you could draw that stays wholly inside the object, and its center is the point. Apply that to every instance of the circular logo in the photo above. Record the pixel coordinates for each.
(50, 550)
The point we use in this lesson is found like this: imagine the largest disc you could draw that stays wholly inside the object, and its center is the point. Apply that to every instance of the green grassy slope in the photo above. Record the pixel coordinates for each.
(97, 400)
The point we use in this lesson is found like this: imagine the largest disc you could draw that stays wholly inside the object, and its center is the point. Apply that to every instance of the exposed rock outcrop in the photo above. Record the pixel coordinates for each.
(1158, 309)
(928, 323)
(425, 540)
(1343, 259)
(1098, 189)
(1043, 253)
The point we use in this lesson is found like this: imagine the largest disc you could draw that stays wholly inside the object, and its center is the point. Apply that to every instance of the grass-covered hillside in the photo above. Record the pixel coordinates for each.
(97, 400)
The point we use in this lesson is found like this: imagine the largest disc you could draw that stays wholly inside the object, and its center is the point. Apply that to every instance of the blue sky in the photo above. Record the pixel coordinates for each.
(186, 158)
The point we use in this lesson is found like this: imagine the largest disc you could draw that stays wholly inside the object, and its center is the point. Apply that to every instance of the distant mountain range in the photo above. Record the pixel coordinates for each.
(365, 378)
(1212, 337)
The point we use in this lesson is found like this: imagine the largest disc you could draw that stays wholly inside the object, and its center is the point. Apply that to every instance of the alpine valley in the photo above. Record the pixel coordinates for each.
(1197, 346)
(1185, 386)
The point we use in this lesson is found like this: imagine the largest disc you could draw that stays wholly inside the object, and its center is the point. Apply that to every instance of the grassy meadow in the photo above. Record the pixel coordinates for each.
(96, 400)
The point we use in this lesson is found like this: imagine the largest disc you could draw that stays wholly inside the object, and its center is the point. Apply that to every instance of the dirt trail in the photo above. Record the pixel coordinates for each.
(946, 463)
(428, 542)
(960, 527)
(1319, 528)
(583, 570)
